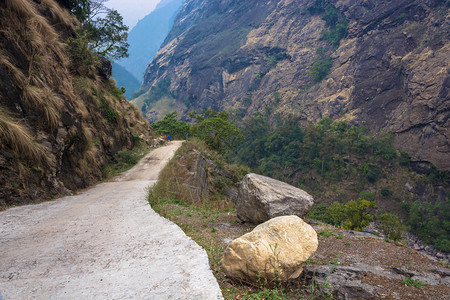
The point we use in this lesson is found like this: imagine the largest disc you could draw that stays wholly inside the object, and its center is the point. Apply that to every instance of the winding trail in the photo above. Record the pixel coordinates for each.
(106, 243)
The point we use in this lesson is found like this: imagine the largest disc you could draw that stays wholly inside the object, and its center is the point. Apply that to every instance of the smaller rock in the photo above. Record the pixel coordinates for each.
(104, 68)
(276, 248)
(409, 187)
(443, 272)
(261, 198)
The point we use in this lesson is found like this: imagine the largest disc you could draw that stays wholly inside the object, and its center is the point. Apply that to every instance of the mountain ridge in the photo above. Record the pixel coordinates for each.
(389, 73)
(146, 37)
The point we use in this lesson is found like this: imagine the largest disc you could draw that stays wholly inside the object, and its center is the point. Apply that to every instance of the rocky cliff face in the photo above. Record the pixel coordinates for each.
(61, 118)
(390, 72)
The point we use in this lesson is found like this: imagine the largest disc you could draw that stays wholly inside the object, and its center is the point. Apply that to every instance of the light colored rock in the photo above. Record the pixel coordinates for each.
(262, 198)
(276, 247)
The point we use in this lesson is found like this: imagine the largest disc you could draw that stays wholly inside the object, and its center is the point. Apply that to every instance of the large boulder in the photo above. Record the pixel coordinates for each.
(262, 198)
(275, 249)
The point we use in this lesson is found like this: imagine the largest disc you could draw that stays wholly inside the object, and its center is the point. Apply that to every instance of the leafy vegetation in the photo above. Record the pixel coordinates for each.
(216, 130)
(213, 128)
(337, 162)
(157, 92)
(431, 222)
(321, 66)
(125, 160)
(102, 31)
(336, 24)
(110, 114)
(354, 215)
(170, 125)
(413, 282)
(391, 226)
(328, 148)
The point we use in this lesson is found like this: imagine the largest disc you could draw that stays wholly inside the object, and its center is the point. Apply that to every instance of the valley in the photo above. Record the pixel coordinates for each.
(300, 148)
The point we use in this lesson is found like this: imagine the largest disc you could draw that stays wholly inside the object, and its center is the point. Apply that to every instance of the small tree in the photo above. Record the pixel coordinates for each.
(337, 213)
(101, 26)
(391, 226)
(109, 35)
(354, 215)
(170, 125)
(358, 214)
(215, 129)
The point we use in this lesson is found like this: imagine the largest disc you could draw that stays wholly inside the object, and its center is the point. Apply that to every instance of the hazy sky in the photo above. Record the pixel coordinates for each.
(132, 10)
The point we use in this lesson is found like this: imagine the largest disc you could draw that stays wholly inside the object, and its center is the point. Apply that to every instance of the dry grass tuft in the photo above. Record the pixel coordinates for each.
(32, 95)
(15, 73)
(87, 135)
(17, 136)
(45, 101)
(58, 14)
(23, 8)
(40, 24)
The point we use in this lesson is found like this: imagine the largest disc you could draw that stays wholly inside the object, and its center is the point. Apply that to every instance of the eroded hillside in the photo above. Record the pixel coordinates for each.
(61, 118)
(382, 64)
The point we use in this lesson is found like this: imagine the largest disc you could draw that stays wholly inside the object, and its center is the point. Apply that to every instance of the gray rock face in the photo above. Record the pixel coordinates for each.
(262, 198)
(105, 67)
(343, 281)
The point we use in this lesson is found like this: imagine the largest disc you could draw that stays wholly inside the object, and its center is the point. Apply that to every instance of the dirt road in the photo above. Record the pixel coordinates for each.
(106, 243)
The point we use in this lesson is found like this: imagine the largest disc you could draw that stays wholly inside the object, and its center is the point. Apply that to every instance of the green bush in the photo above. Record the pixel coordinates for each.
(128, 157)
(158, 91)
(321, 66)
(170, 125)
(404, 158)
(391, 226)
(367, 195)
(386, 192)
(81, 58)
(354, 215)
(110, 113)
(216, 130)
(431, 223)
(414, 283)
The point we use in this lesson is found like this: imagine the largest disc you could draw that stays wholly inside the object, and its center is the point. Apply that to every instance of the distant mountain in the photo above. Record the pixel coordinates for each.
(147, 36)
(125, 79)
(382, 64)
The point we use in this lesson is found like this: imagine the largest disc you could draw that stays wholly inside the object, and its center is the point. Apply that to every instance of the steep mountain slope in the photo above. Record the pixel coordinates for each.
(125, 79)
(389, 72)
(61, 118)
(147, 36)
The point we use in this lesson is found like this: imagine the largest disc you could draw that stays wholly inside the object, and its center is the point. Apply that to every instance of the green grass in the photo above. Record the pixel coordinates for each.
(415, 283)
(125, 160)
(325, 233)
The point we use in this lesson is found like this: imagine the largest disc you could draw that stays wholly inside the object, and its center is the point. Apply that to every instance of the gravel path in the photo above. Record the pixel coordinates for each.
(106, 243)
